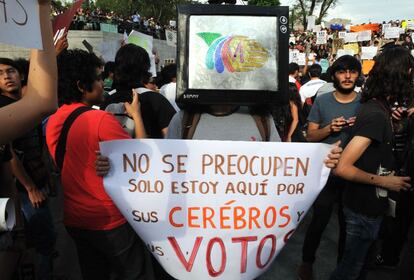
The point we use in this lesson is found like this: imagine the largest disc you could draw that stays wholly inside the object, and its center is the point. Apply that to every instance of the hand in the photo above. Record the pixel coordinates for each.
(102, 165)
(351, 121)
(337, 124)
(36, 197)
(410, 111)
(397, 113)
(133, 108)
(61, 44)
(334, 156)
(395, 183)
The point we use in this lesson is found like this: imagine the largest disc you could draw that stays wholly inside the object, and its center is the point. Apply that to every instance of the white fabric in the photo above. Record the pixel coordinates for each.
(310, 88)
(169, 92)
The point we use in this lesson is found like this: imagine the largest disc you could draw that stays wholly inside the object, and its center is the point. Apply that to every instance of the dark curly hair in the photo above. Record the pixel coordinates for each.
(131, 65)
(76, 66)
(391, 78)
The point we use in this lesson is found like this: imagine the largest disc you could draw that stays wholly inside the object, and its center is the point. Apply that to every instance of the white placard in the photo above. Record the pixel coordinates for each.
(311, 22)
(343, 52)
(173, 23)
(385, 26)
(7, 214)
(20, 24)
(317, 28)
(351, 37)
(410, 25)
(364, 35)
(368, 52)
(214, 209)
(392, 33)
(341, 35)
(171, 37)
(402, 30)
(321, 37)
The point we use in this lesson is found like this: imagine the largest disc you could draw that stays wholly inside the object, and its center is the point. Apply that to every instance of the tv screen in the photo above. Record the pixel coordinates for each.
(232, 55)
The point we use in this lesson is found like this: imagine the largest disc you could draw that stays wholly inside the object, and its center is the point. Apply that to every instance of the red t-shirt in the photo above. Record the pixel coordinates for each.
(86, 204)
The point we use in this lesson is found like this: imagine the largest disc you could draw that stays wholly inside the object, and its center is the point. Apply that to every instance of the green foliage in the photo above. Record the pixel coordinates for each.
(264, 2)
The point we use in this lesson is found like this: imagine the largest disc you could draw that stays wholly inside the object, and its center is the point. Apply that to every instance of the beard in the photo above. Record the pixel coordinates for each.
(341, 89)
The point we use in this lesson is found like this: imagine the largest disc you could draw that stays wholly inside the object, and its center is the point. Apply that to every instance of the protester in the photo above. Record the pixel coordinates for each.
(294, 74)
(131, 66)
(309, 89)
(297, 118)
(41, 97)
(169, 87)
(106, 244)
(331, 119)
(367, 161)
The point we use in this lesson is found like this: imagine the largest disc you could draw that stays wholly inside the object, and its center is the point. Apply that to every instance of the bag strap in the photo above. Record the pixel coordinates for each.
(61, 145)
(189, 124)
(262, 124)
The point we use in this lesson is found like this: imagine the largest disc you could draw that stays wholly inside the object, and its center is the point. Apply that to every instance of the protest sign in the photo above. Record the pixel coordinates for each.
(342, 35)
(368, 52)
(311, 22)
(112, 28)
(146, 42)
(354, 47)
(385, 26)
(410, 25)
(367, 65)
(173, 23)
(351, 37)
(171, 37)
(62, 22)
(321, 37)
(214, 209)
(342, 52)
(317, 28)
(20, 24)
(392, 33)
(324, 63)
(364, 36)
(337, 44)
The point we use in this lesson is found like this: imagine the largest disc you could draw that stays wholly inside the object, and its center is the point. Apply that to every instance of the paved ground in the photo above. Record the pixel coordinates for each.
(284, 268)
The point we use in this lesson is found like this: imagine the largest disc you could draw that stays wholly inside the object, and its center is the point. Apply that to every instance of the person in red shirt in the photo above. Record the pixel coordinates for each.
(106, 244)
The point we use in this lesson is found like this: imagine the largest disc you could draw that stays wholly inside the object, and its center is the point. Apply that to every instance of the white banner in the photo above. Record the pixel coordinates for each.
(392, 33)
(321, 37)
(385, 26)
(214, 209)
(171, 37)
(20, 24)
(364, 35)
(311, 22)
(351, 37)
(368, 52)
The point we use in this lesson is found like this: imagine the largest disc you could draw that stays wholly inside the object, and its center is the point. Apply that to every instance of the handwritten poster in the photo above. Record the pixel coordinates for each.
(19, 24)
(214, 209)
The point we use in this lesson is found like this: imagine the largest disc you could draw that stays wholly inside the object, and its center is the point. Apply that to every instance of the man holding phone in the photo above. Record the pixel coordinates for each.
(330, 120)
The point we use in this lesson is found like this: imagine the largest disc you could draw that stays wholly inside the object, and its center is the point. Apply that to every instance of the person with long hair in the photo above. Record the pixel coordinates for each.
(367, 161)
(297, 118)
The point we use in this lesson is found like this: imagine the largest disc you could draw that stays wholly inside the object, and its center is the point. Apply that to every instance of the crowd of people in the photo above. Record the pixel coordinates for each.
(49, 125)
(91, 19)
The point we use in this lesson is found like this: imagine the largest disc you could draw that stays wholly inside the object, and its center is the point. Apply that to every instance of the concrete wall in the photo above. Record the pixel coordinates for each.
(105, 44)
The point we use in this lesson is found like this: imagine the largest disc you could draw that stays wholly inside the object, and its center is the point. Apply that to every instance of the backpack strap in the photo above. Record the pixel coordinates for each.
(262, 124)
(189, 124)
(61, 145)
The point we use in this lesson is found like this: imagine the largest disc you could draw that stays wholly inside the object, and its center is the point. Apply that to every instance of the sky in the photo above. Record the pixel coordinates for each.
(363, 11)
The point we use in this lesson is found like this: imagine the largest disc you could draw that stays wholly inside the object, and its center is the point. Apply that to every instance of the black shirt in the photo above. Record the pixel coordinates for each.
(373, 122)
(156, 110)
(5, 154)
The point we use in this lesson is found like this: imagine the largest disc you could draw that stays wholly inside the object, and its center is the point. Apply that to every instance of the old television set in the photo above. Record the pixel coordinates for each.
(232, 55)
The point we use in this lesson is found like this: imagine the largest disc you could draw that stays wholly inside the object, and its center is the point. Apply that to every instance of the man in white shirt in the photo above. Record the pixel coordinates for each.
(310, 88)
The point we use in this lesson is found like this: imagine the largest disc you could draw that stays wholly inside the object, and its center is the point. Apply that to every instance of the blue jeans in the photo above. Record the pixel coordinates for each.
(361, 231)
(40, 230)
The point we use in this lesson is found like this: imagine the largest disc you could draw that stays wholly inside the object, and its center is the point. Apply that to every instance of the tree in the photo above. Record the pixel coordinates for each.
(264, 2)
(306, 8)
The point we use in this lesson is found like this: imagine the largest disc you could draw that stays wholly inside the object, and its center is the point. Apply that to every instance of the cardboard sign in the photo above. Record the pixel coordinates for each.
(214, 209)
(171, 37)
(146, 42)
(364, 35)
(368, 52)
(321, 37)
(20, 24)
(351, 37)
(62, 22)
(367, 66)
(392, 33)
(354, 47)
(311, 22)
(337, 45)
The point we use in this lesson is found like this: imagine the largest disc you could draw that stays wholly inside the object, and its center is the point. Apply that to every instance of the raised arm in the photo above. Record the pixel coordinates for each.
(41, 97)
